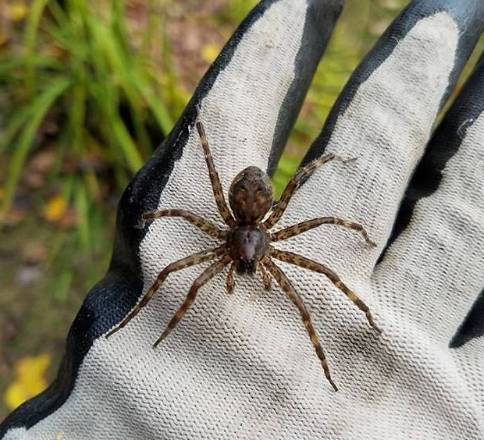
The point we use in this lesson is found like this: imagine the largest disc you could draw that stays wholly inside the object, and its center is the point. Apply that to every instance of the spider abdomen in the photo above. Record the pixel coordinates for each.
(247, 245)
(250, 196)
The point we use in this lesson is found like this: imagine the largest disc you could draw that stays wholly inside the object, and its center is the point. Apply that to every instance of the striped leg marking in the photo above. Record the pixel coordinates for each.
(307, 225)
(192, 260)
(205, 276)
(294, 184)
(287, 287)
(230, 282)
(306, 263)
(214, 178)
(266, 277)
(204, 225)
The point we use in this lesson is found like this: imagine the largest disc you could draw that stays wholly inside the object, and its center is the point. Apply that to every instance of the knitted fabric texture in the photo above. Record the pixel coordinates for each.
(242, 366)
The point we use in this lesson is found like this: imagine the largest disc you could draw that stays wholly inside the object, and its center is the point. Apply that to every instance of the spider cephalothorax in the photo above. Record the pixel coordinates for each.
(246, 246)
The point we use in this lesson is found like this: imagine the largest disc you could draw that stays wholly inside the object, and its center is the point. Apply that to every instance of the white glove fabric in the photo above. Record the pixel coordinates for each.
(242, 366)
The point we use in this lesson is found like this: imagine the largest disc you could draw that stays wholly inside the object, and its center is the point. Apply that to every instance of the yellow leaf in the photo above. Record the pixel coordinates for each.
(210, 52)
(55, 209)
(17, 11)
(29, 381)
(3, 38)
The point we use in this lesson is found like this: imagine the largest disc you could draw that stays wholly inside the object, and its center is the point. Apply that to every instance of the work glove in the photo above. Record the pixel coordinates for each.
(242, 366)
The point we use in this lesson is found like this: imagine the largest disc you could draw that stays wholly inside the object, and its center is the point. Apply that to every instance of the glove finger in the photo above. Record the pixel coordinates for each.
(384, 118)
(249, 98)
(438, 257)
(253, 93)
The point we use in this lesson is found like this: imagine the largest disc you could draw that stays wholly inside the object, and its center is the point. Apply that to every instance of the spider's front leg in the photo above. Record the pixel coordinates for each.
(294, 230)
(204, 225)
(304, 173)
(192, 260)
(287, 287)
(214, 178)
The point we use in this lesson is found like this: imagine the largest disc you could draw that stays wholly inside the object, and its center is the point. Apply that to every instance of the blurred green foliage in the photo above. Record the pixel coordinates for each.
(235, 11)
(76, 68)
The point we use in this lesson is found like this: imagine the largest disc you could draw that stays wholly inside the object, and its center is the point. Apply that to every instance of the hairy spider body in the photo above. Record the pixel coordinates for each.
(250, 197)
(247, 245)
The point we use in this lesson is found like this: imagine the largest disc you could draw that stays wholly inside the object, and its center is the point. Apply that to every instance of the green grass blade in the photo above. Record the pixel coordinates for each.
(161, 113)
(82, 211)
(12, 67)
(15, 123)
(128, 147)
(132, 81)
(39, 109)
(30, 41)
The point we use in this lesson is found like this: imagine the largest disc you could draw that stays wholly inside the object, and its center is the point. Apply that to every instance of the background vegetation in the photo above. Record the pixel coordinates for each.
(87, 91)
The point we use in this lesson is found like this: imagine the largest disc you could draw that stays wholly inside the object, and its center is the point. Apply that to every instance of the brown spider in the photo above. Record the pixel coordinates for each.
(246, 244)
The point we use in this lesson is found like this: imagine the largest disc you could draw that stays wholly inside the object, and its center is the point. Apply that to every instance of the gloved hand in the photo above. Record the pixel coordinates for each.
(241, 366)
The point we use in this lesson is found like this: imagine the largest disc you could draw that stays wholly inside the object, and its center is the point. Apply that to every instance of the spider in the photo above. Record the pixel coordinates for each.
(247, 242)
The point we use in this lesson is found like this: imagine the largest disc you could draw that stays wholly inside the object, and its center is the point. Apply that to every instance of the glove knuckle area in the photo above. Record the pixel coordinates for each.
(254, 90)
(438, 258)
(384, 116)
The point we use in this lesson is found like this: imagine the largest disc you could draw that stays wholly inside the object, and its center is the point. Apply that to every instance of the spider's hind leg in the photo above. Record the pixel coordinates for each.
(192, 260)
(266, 277)
(205, 276)
(230, 281)
(306, 263)
(287, 287)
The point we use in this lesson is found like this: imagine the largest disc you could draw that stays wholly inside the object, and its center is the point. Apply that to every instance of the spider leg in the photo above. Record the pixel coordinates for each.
(266, 277)
(204, 225)
(291, 231)
(214, 178)
(172, 267)
(205, 276)
(299, 260)
(294, 184)
(287, 287)
(230, 282)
